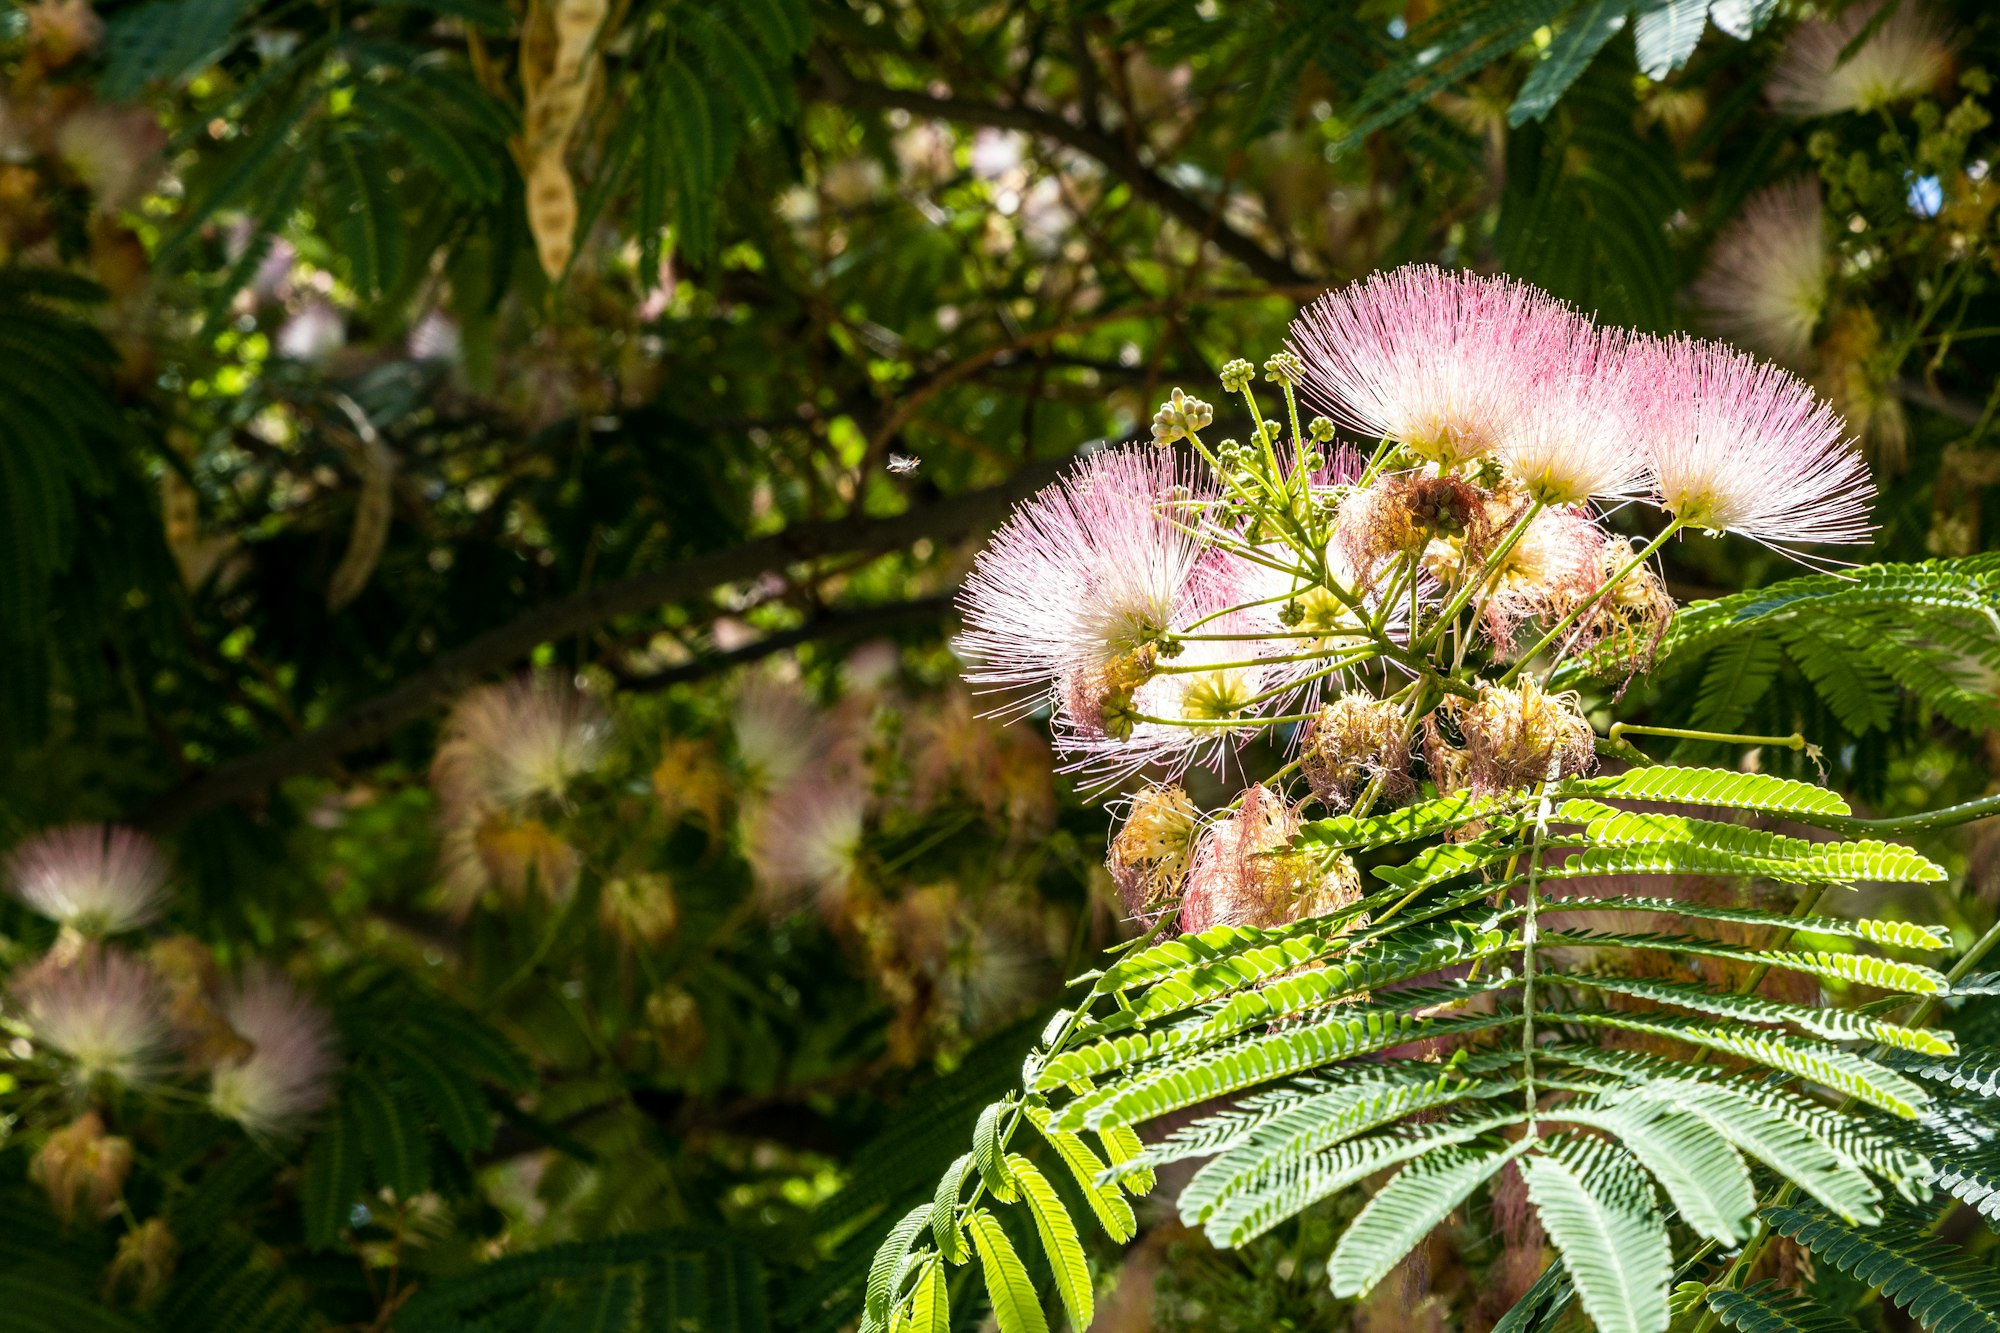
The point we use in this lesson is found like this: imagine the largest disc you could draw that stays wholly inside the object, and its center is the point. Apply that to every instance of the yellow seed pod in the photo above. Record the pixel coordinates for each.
(552, 212)
(576, 24)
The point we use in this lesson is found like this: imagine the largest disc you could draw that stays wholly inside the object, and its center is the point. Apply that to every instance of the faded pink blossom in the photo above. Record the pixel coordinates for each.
(505, 746)
(1738, 445)
(1439, 361)
(1246, 873)
(1766, 281)
(289, 1071)
(96, 879)
(1907, 55)
(104, 1010)
(1091, 570)
(806, 840)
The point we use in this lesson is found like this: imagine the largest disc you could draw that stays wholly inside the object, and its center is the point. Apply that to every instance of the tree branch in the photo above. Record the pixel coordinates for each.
(374, 721)
(849, 624)
(835, 85)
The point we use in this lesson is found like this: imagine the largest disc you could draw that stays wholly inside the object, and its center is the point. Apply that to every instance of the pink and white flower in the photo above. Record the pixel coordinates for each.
(1092, 569)
(505, 746)
(1440, 362)
(289, 1071)
(95, 879)
(806, 841)
(1571, 441)
(103, 1010)
(1907, 55)
(1738, 445)
(1766, 281)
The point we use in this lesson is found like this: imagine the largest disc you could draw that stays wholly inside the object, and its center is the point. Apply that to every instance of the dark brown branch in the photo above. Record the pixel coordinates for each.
(370, 723)
(853, 624)
(1203, 217)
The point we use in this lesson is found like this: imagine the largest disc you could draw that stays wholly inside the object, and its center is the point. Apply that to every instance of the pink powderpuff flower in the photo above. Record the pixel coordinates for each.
(1766, 281)
(1907, 55)
(1174, 713)
(806, 841)
(778, 732)
(1572, 440)
(1440, 362)
(1738, 445)
(1090, 570)
(104, 1011)
(95, 879)
(289, 1071)
(505, 746)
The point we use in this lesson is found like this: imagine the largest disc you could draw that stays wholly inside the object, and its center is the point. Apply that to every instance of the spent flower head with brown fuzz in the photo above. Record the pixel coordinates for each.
(82, 1168)
(1148, 858)
(93, 878)
(1353, 741)
(1246, 872)
(1518, 737)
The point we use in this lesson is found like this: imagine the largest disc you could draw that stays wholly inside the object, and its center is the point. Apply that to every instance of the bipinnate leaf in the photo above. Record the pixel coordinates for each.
(885, 1273)
(1404, 1211)
(1700, 1171)
(944, 1210)
(987, 1150)
(1016, 1308)
(1114, 1214)
(1059, 1240)
(1598, 1207)
(1943, 1291)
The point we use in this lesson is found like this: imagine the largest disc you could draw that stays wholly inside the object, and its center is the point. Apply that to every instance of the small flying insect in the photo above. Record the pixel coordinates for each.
(903, 464)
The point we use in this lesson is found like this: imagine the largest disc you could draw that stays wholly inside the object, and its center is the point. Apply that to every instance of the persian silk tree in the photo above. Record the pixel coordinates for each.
(1450, 930)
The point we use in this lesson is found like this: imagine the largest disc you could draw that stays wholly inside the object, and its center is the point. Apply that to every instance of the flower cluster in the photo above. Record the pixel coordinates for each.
(96, 1019)
(1384, 616)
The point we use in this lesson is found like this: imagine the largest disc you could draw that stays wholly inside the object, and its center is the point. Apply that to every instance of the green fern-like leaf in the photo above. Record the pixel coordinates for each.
(1765, 1308)
(1315, 1125)
(1059, 1240)
(1598, 1207)
(1403, 1212)
(1586, 33)
(1712, 786)
(1343, 1035)
(1297, 1183)
(1697, 1167)
(1834, 1024)
(1113, 1213)
(1016, 1307)
(1779, 1141)
(1942, 1291)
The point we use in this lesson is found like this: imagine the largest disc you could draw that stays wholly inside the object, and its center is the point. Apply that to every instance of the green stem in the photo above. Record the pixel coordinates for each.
(1619, 730)
(1487, 569)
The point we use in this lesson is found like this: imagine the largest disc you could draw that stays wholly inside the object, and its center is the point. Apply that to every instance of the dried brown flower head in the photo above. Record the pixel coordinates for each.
(1247, 873)
(1149, 857)
(82, 1168)
(1516, 737)
(1353, 740)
